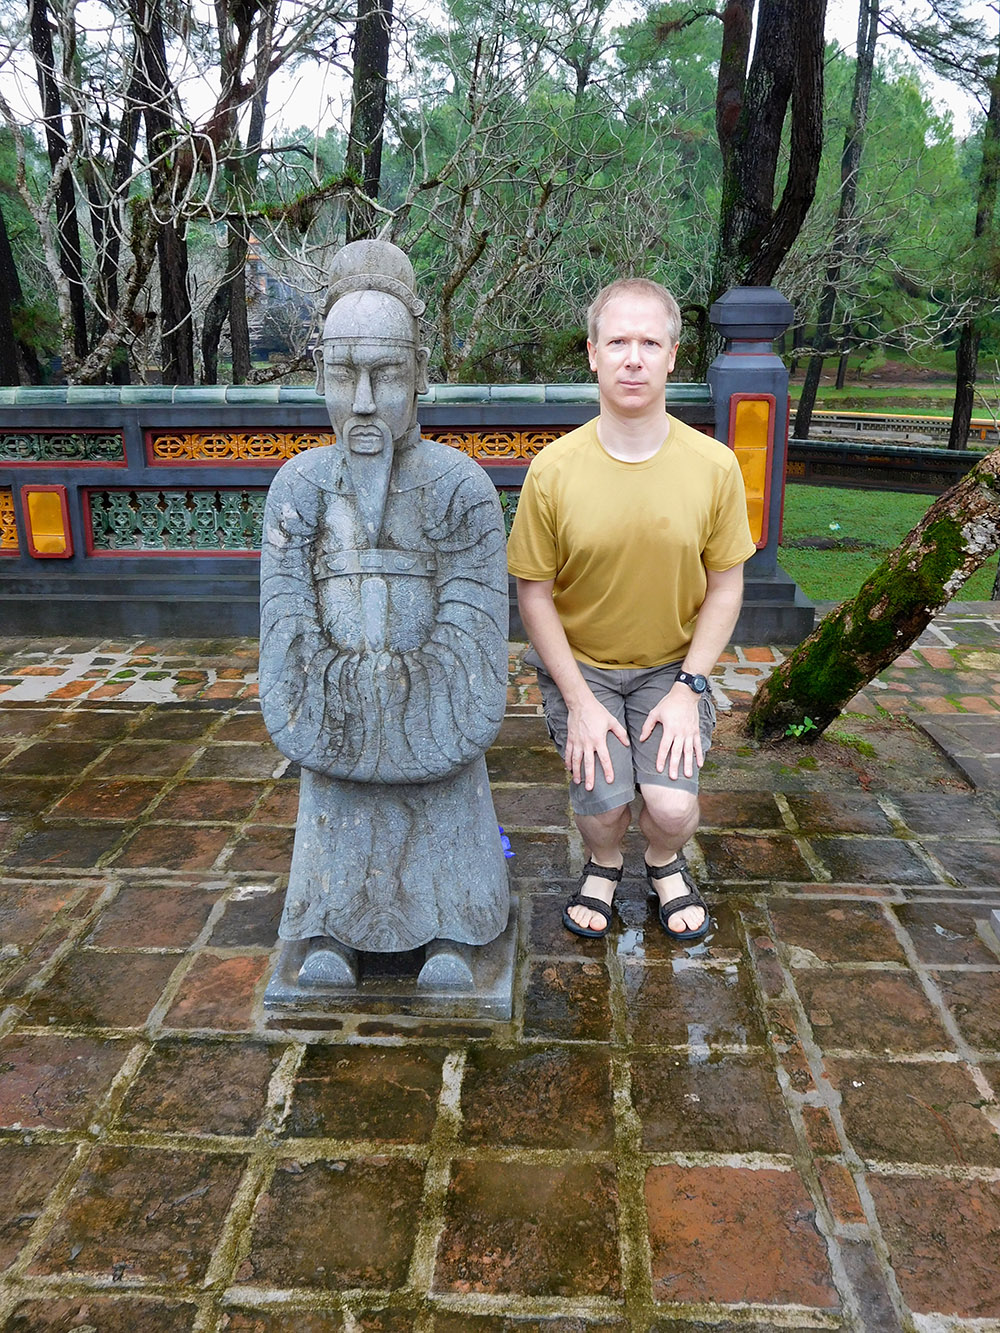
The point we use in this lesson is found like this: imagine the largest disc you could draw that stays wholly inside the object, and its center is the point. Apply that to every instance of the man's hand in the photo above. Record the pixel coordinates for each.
(677, 714)
(588, 725)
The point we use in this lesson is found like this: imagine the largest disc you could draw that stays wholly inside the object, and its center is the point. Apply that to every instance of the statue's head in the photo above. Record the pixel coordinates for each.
(370, 367)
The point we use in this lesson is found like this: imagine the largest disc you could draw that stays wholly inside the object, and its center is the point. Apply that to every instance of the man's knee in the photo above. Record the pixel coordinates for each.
(670, 807)
(609, 819)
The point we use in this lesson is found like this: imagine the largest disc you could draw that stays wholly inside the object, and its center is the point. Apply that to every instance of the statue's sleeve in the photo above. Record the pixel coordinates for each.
(385, 716)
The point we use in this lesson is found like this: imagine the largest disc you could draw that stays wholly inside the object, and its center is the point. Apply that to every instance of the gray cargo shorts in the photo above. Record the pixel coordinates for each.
(628, 695)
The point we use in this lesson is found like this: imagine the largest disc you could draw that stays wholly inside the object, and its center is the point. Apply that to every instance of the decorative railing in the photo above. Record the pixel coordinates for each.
(142, 507)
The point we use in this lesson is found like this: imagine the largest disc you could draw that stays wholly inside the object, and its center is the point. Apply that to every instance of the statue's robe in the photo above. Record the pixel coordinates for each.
(383, 674)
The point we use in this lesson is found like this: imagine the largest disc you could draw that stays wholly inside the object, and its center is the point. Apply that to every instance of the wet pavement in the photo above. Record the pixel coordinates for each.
(791, 1125)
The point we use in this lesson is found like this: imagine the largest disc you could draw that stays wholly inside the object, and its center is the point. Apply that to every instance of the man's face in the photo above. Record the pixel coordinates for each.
(369, 371)
(633, 354)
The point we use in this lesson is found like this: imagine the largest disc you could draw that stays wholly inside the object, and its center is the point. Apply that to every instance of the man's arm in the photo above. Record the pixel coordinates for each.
(677, 711)
(589, 721)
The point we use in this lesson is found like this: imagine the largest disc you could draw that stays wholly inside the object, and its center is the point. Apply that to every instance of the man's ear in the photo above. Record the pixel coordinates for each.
(591, 353)
(318, 359)
(423, 356)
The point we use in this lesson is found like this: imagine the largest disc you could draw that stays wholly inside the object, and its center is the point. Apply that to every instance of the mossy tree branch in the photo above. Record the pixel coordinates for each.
(959, 532)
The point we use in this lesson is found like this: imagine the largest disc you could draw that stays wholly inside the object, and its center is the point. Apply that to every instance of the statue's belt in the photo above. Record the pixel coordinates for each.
(373, 561)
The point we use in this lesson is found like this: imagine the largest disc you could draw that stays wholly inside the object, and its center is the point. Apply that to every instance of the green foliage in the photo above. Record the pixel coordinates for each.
(796, 730)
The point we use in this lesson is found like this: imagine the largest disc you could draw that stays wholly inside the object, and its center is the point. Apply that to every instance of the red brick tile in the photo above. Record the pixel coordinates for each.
(748, 856)
(27, 1173)
(820, 1130)
(263, 850)
(507, 1224)
(144, 758)
(52, 1082)
(691, 1005)
(974, 703)
(174, 847)
(280, 806)
(945, 932)
(81, 845)
(568, 1001)
(383, 1095)
(281, 1319)
(71, 690)
(974, 1001)
(928, 1113)
(870, 1010)
(944, 1238)
(109, 1314)
(103, 989)
(218, 993)
(841, 1194)
(111, 690)
(537, 1098)
(332, 1224)
(728, 1235)
(26, 910)
(143, 1212)
(194, 1087)
(729, 1104)
(159, 918)
(836, 932)
(940, 658)
(107, 799)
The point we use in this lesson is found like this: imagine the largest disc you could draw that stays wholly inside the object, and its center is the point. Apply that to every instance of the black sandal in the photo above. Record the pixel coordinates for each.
(691, 899)
(592, 904)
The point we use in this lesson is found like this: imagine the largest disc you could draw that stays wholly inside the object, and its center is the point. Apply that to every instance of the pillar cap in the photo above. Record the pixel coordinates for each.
(757, 313)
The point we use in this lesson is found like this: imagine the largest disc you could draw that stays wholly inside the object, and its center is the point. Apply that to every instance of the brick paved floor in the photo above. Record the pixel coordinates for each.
(791, 1125)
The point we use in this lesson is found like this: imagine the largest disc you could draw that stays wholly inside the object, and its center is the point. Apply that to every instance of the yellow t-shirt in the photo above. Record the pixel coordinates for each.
(628, 543)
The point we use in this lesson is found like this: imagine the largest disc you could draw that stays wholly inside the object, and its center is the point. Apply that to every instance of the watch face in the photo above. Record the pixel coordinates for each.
(697, 683)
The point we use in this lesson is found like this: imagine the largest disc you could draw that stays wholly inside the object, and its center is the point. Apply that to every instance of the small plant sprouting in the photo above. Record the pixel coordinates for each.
(800, 729)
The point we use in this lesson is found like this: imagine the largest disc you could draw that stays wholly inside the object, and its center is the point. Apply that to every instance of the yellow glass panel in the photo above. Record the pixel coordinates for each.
(45, 518)
(751, 430)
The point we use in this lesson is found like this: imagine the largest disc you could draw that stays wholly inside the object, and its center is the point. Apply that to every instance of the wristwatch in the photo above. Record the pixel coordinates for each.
(697, 683)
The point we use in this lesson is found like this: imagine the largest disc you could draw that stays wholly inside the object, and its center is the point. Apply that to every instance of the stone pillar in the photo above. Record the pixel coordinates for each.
(749, 385)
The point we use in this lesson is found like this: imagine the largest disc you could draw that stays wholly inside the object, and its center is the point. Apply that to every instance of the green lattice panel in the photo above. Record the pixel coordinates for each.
(181, 520)
(62, 446)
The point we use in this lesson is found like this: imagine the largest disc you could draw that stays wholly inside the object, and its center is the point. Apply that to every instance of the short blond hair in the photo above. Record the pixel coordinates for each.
(635, 287)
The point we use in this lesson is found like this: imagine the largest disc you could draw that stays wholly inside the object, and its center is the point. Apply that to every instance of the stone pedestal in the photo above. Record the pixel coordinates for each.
(441, 980)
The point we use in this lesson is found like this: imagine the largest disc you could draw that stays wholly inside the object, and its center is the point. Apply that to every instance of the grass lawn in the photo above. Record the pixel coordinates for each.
(830, 563)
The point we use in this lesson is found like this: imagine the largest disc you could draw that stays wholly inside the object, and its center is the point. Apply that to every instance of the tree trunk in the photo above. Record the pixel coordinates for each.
(967, 353)
(959, 532)
(786, 71)
(70, 252)
(368, 93)
(176, 323)
(966, 365)
(850, 164)
(842, 368)
(10, 295)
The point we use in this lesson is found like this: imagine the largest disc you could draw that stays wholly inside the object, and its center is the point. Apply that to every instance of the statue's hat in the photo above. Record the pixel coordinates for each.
(373, 266)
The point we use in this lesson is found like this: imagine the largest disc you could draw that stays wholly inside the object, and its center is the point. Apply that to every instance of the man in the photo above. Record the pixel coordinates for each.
(383, 666)
(628, 549)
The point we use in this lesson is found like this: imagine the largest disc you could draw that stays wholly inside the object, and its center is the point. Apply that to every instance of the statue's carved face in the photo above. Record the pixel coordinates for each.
(370, 370)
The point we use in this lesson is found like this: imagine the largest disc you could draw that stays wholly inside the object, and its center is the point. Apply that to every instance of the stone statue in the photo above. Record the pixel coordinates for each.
(383, 663)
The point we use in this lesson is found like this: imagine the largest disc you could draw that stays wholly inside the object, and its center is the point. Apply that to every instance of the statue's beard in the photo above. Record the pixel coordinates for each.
(370, 467)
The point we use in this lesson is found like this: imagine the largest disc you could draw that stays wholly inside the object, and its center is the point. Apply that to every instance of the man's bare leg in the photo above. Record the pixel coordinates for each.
(602, 836)
(667, 819)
